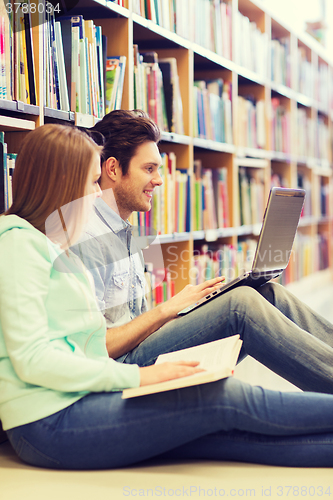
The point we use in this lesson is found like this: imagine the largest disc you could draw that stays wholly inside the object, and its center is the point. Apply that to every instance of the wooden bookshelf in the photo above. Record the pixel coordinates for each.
(281, 69)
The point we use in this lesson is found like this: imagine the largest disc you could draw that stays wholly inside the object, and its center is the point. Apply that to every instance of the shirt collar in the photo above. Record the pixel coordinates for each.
(110, 217)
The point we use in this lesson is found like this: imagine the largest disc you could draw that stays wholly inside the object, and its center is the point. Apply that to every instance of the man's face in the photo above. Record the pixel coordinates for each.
(134, 191)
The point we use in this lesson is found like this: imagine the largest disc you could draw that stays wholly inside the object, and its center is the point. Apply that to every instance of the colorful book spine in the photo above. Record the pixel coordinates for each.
(7, 165)
(212, 260)
(251, 196)
(212, 110)
(251, 49)
(280, 61)
(280, 127)
(250, 122)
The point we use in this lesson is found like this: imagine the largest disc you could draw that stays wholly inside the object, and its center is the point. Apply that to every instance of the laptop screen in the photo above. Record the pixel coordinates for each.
(278, 229)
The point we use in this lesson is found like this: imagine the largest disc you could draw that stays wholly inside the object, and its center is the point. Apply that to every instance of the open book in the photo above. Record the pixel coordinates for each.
(217, 358)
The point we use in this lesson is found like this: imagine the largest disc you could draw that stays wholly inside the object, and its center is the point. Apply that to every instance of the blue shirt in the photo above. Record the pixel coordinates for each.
(111, 253)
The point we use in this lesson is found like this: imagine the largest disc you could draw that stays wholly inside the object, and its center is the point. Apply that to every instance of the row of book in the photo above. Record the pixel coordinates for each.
(312, 135)
(17, 75)
(251, 47)
(305, 76)
(172, 210)
(213, 26)
(322, 84)
(157, 90)
(209, 23)
(280, 61)
(251, 122)
(7, 166)
(313, 138)
(169, 14)
(211, 201)
(318, 192)
(280, 138)
(212, 117)
(212, 260)
(304, 182)
(305, 139)
(114, 82)
(206, 22)
(251, 196)
(310, 254)
(160, 286)
(74, 63)
(325, 193)
(313, 81)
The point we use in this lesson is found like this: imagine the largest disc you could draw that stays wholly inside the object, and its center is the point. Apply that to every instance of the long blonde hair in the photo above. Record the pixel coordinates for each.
(51, 171)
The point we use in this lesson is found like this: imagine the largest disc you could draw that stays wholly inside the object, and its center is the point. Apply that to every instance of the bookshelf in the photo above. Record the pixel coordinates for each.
(276, 96)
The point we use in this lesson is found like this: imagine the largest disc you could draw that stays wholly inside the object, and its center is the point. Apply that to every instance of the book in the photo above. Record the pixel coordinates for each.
(31, 72)
(112, 78)
(119, 89)
(217, 358)
(172, 94)
(3, 173)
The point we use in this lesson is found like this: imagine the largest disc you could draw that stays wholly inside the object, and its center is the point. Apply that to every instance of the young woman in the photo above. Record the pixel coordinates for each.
(60, 393)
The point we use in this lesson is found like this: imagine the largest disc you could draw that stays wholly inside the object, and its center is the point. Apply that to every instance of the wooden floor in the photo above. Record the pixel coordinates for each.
(185, 479)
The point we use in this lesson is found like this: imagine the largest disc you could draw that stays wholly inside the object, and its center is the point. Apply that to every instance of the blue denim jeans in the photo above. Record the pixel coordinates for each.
(277, 329)
(224, 420)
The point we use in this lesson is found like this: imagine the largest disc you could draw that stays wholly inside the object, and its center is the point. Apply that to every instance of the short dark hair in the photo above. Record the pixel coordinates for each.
(123, 131)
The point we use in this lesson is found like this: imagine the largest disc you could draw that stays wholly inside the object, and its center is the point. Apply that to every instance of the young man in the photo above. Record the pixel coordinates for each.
(276, 328)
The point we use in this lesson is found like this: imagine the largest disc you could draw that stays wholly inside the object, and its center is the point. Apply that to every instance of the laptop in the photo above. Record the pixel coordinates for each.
(274, 246)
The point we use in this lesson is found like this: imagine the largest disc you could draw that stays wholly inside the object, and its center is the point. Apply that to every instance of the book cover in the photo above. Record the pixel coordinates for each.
(120, 86)
(112, 78)
(101, 70)
(66, 29)
(218, 360)
(2, 173)
(30, 58)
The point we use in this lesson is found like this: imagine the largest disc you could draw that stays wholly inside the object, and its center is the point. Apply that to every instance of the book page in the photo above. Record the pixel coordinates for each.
(217, 358)
(212, 356)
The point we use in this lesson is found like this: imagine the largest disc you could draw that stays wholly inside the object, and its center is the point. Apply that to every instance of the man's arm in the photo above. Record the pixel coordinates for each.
(122, 339)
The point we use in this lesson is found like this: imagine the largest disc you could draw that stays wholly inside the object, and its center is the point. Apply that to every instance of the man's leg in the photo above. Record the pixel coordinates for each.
(300, 354)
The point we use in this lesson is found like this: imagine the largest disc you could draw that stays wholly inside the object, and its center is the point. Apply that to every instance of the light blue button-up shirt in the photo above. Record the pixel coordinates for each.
(110, 252)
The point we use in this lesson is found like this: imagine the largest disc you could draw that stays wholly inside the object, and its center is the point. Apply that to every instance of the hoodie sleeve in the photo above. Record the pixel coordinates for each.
(25, 271)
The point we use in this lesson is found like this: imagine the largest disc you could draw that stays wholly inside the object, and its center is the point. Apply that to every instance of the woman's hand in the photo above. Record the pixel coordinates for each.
(189, 295)
(168, 371)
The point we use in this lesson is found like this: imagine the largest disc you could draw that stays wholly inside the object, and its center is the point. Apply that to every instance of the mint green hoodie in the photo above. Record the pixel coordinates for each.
(52, 336)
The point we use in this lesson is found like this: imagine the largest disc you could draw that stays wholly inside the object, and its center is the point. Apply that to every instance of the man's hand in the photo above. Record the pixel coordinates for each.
(189, 295)
(168, 371)
(122, 339)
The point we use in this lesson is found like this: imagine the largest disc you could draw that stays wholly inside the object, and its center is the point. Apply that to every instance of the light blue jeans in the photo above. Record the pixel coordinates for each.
(225, 420)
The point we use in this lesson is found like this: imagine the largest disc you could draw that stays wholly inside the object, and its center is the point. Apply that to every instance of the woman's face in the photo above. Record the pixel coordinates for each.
(92, 186)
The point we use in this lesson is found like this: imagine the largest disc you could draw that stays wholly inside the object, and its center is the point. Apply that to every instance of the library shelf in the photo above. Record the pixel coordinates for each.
(208, 144)
(18, 108)
(176, 138)
(10, 124)
(299, 95)
(252, 162)
(244, 152)
(58, 114)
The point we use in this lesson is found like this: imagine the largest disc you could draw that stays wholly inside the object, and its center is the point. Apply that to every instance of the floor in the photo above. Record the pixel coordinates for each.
(184, 479)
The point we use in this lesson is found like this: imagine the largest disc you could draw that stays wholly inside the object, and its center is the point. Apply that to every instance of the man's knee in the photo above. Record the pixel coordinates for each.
(243, 295)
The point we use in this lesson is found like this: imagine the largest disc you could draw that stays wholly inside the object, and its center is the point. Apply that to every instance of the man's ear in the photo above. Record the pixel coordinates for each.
(112, 168)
